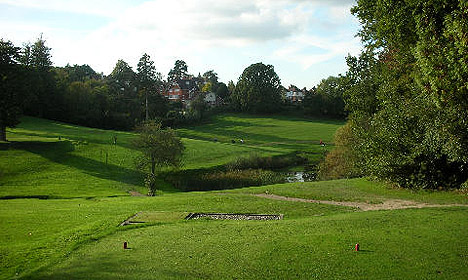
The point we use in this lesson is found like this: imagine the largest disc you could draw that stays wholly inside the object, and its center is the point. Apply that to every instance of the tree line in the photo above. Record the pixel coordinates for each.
(77, 94)
(124, 98)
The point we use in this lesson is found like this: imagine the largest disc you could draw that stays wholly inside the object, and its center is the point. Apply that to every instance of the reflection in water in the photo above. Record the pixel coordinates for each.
(300, 176)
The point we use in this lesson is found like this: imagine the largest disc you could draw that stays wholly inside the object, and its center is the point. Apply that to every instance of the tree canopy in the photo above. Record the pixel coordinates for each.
(148, 79)
(258, 90)
(160, 148)
(11, 93)
(178, 72)
(409, 95)
(327, 98)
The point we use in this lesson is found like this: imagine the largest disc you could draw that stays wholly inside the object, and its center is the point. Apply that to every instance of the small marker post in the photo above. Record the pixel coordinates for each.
(356, 248)
(125, 245)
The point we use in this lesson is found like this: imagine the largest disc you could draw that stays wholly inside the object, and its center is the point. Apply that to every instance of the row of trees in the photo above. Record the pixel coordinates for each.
(408, 94)
(125, 98)
(77, 94)
(259, 90)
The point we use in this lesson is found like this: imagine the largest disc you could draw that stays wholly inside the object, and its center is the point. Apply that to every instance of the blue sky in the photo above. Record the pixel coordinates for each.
(305, 40)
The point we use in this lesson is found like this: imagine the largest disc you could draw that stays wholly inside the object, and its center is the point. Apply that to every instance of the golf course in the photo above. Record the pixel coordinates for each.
(70, 196)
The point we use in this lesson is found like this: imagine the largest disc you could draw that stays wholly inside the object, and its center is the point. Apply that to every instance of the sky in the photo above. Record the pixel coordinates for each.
(305, 40)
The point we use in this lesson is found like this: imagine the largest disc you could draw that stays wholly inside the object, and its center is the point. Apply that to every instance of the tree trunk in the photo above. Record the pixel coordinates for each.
(2, 133)
(147, 113)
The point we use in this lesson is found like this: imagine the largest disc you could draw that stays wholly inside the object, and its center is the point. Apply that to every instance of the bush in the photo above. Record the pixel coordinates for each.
(219, 180)
(342, 161)
(255, 161)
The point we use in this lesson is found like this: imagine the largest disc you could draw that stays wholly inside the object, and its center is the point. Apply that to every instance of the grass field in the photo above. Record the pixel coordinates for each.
(62, 205)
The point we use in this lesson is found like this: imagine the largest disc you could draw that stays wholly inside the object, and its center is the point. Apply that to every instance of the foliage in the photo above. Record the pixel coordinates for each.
(81, 73)
(160, 148)
(342, 161)
(409, 99)
(256, 161)
(207, 87)
(258, 90)
(224, 179)
(178, 72)
(198, 107)
(327, 98)
(222, 91)
(148, 80)
(211, 77)
(11, 91)
(41, 99)
(231, 87)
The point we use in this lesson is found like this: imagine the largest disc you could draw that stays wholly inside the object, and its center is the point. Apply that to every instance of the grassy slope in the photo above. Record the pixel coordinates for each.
(284, 134)
(409, 244)
(79, 237)
(37, 163)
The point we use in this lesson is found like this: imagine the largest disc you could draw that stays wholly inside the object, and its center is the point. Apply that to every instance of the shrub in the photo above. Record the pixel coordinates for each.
(342, 161)
(219, 180)
(255, 161)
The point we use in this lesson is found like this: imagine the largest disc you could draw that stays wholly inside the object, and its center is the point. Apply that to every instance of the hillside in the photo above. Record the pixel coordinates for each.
(62, 205)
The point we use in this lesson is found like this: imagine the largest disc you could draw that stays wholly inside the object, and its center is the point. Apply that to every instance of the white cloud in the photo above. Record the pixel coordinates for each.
(231, 33)
(331, 47)
(106, 8)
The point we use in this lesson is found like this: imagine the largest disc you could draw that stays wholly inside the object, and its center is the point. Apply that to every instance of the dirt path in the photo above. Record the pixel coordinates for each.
(390, 204)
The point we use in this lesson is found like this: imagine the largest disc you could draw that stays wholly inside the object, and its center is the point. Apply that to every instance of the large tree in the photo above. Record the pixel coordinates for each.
(160, 148)
(126, 106)
(178, 72)
(222, 91)
(211, 77)
(409, 99)
(327, 98)
(11, 91)
(258, 90)
(41, 100)
(149, 80)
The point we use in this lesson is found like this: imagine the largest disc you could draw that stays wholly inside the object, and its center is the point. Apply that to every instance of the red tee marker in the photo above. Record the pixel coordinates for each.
(356, 248)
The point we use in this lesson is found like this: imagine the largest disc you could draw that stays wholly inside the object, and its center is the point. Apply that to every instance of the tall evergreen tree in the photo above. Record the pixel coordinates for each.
(41, 100)
(178, 72)
(11, 91)
(149, 80)
(126, 105)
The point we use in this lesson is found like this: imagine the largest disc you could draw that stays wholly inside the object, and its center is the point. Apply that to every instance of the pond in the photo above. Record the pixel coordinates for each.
(300, 176)
(204, 180)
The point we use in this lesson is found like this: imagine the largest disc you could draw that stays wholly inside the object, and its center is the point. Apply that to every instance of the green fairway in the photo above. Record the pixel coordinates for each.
(410, 244)
(62, 205)
(59, 160)
(284, 134)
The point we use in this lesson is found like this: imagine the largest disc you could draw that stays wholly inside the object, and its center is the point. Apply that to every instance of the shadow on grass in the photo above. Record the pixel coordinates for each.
(59, 152)
(114, 265)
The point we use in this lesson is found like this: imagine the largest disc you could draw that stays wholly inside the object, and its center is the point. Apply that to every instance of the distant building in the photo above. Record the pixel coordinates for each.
(181, 90)
(294, 94)
(185, 90)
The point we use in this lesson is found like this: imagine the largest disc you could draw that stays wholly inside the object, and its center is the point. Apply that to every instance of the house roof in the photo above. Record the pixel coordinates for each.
(187, 84)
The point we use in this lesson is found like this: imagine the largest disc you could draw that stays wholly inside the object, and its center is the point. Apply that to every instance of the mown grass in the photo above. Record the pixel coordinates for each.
(405, 244)
(284, 134)
(73, 232)
(44, 231)
(359, 190)
(54, 159)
